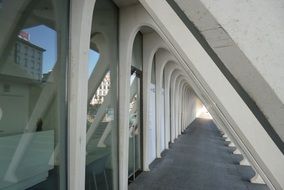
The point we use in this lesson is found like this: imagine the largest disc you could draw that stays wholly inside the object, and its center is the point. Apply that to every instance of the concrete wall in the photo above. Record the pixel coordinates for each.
(257, 27)
(247, 37)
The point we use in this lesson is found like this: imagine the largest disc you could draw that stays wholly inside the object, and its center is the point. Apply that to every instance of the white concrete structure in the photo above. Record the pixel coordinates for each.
(164, 60)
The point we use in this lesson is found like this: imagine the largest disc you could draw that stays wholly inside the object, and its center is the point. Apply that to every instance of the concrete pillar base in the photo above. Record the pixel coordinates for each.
(244, 162)
(232, 145)
(257, 179)
(237, 152)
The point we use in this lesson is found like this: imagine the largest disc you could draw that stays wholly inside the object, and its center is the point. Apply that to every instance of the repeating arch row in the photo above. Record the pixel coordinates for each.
(179, 81)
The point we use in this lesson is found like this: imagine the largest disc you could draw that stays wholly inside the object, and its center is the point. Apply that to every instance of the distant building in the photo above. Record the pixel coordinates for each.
(102, 91)
(25, 59)
(28, 56)
(20, 84)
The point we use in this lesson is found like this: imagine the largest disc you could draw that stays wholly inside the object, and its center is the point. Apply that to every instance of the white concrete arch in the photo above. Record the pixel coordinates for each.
(129, 27)
(174, 77)
(102, 40)
(206, 75)
(169, 69)
(183, 86)
(178, 98)
(80, 30)
(189, 107)
(162, 56)
(177, 103)
(151, 44)
(132, 20)
(185, 106)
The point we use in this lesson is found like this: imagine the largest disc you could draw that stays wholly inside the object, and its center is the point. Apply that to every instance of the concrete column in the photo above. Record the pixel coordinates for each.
(80, 28)
(186, 108)
(184, 103)
(177, 107)
(162, 58)
(168, 72)
(182, 108)
(127, 35)
(181, 104)
(175, 74)
(155, 49)
(159, 111)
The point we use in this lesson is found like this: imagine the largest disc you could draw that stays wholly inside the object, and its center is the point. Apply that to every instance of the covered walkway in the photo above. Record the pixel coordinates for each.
(199, 159)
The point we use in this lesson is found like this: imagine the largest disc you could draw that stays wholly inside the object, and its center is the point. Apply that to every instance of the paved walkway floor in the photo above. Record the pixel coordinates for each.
(198, 160)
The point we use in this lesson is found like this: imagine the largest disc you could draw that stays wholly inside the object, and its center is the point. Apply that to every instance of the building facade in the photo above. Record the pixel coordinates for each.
(102, 91)
(29, 57)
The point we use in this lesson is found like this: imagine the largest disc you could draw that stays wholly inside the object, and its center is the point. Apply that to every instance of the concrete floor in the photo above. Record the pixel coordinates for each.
(198, 160)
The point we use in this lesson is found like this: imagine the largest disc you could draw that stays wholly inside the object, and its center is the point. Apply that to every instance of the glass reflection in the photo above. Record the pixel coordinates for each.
(135, 112)
(101, 158)
(135, 138)
(32, 94)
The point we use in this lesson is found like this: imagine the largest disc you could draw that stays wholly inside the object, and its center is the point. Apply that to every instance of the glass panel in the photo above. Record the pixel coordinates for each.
(99, 127)
(135, 114)
(134, 163)
(137, 52)
(33, 94)
(101, 158)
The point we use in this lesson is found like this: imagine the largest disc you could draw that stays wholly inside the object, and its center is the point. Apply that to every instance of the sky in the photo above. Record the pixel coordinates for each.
(46, 38)
(93, 59)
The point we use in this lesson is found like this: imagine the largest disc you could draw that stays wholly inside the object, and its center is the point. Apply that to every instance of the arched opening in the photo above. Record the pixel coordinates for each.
(135, 153)
(152, 127)
(163, 115)
(101, 130)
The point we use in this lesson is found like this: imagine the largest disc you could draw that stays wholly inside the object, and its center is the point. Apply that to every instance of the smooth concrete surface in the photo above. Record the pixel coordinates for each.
(259, 37)
(234, 64)
(252, 43)
(198, 159)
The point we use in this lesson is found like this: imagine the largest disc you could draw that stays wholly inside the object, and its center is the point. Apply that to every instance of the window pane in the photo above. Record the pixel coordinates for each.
(101, 158)
(33, 94)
